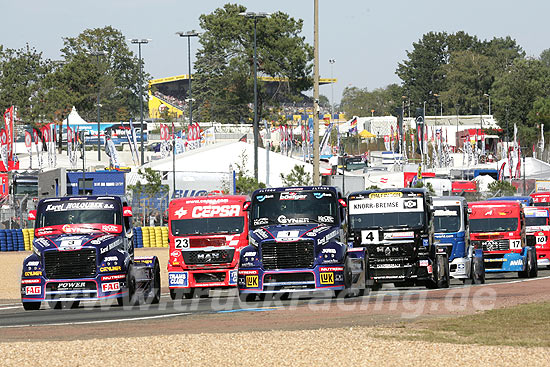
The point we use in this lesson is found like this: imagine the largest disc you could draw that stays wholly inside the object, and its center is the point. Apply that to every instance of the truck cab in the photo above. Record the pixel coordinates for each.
(396, 228)
(538, 232)
(451, 231)
(83, 251)
(498, 228)
(297, 243)
(541, 198)
(206, 237)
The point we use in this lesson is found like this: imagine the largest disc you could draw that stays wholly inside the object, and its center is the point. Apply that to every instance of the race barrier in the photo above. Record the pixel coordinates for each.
(21, 239)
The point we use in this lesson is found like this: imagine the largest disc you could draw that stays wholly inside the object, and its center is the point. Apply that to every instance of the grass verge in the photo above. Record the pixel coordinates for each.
(523, 325)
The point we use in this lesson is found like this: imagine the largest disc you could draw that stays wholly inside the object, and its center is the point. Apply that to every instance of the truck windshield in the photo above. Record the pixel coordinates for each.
(78, 212)
(294, 207)
(447, 218)
(493, 225)
(535, 221)
(386, 220)
(201, 226)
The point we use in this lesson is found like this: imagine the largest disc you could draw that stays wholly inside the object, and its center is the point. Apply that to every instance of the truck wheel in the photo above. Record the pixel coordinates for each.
(247, 297)
(478, 271)
(176, 294)
(375, 287)
(441, 273)
(528, 266)
(156, 285)
(55, 305)
(533, 273)
(130, 297)
(31, 306)
(189, 293)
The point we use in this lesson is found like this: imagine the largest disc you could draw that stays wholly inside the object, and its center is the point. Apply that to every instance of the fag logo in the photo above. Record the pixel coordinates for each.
(110, 287)
(252, 281)
(33, 289)
(327, 278)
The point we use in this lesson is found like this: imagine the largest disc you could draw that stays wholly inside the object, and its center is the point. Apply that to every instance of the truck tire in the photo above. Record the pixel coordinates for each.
(176, 294)
(31, 306)
(189, 293)
(533, 273)
(478, 271)
(129, 299)
(440, 273)
(247, 297)
(375, 287)
(155, 288)
(404, 283)
(528, 271)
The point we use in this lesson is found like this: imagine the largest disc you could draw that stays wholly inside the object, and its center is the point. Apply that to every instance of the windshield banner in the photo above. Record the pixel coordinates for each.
(386, 205)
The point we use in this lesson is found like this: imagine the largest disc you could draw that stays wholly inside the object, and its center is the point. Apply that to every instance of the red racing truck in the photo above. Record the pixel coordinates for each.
(541, 198)
(206, 237)
(538, 232)
(498, 228)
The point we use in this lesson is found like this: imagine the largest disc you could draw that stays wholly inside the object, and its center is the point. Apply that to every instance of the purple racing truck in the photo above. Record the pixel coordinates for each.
(297, 244)
(83, 251)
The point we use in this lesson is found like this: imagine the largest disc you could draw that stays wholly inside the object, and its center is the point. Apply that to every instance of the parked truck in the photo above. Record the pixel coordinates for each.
(83, 250)
(498, 228)
(537, 227)
(396, 228)
(452, 232)
(206, 237)
(297, 243)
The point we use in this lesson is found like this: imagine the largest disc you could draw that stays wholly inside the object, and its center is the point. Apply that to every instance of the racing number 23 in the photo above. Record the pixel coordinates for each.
(180, 243)
(370, 236)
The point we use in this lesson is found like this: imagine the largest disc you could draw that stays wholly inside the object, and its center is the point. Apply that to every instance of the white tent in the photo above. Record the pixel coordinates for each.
(74, 118)
(218, 158)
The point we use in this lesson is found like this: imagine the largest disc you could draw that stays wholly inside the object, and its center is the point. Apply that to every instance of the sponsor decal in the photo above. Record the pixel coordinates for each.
(42, 242)
(105, 269)
(292, 196)
(33, 263)
(516, 262)
(212, 211)
(260, 221)
(144, 261)
(252, 281)
(248, 272)
(233, 276)
(331, 268)
(261, 198)
(328, 237)
(445, 213)
(111, 228)
(329, 251)
(107, 278)
(110, 287)
(326, 278)
(423, 263)
(72, 244)
(175, 253)
(410, 204)
(399, 235)
(180, 212)
(249, 253)
(288, 234)
(110, 258)
(44, 230)
(378, 195)
(178, 279)
(315, 231)
(425, 242)
(325, 219)
(430, 269)
(110, 247)
(181, 243)
(319, 195)
(71, 285)
(33, 290)
(36, 273)
(262, 233)
(284, 220)
(82, 205)
(30, 281)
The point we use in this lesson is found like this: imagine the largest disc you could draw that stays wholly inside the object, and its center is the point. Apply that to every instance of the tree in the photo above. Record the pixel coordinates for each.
(153, 184)
(244, 182)
(224, 67)
(501, 188)
(360, 102)
(297, 177)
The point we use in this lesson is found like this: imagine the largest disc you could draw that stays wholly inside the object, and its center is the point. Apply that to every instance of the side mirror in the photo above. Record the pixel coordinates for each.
(127, 211)
(246, 206)
(343, 203)
(32, 215)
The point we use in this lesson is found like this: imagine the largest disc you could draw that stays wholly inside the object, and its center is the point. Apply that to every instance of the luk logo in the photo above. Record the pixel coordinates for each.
(252, 281)
(327, 278)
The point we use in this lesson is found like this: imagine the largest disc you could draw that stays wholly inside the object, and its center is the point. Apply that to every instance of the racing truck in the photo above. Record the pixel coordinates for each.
(83, 251)
(451, 231)
(538, 232)
(396, 228)
(297, 244)
(498, 228)
(206, 236)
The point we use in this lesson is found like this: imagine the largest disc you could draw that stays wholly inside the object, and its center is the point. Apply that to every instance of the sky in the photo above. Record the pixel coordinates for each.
(367, 39)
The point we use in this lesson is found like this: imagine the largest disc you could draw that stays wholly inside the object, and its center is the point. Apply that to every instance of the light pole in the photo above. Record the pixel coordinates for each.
(488, 96)
(437, 96)
(188, 35)
(331, 61)
(255, 16)
(139, 42)
(97, 54)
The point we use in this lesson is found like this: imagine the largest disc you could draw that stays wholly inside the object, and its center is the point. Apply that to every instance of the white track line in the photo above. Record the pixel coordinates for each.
(99, 321)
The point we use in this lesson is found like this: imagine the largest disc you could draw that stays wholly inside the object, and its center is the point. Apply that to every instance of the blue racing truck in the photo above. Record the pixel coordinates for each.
(451, 232)
(297, 243)
(83, 250)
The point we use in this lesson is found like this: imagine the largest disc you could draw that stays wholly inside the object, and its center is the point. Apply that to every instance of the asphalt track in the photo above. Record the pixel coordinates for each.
(224, 312)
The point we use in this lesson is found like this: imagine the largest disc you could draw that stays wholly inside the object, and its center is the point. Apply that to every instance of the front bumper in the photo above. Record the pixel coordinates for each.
(512, 261)
(204, 278)
(460, 267)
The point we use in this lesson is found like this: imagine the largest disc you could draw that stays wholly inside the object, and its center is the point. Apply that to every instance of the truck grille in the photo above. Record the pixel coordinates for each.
(493, 245)
(221, 256)
(70, 264)
(287, 255)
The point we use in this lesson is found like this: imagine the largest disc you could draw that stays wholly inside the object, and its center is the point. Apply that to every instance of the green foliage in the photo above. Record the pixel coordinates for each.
(224, 67)
(428, 186)
(152, 186)
(360, 102)
(501, 188)
(244, 182)
(297, 177)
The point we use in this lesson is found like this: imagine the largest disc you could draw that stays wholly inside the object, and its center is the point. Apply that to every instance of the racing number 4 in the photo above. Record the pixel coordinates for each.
(370, 236)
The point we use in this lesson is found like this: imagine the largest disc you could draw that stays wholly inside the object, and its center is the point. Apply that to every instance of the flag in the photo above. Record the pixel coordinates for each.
(501, 171)
(243, 138)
